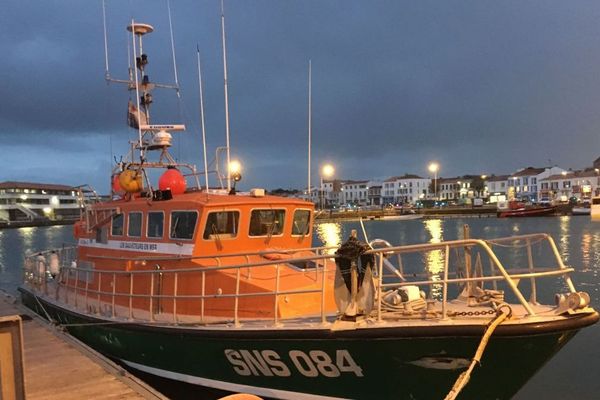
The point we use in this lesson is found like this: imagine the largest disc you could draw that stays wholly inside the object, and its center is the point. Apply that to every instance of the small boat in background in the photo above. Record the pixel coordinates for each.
(515, 208)
(582, 209)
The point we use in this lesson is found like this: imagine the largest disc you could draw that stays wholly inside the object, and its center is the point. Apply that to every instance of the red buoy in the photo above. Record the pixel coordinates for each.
(172, 180)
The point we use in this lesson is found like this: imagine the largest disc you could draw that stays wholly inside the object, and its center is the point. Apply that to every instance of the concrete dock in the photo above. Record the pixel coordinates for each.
(57, 366)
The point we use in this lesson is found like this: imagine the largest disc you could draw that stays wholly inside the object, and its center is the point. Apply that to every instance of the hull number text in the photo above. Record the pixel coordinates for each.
(312, 364)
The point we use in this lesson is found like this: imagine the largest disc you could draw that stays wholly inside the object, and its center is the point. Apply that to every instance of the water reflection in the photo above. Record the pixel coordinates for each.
(435, 259)
(564, 237)
(330, 234)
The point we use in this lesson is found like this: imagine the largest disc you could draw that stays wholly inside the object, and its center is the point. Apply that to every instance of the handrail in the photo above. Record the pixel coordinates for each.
(99, 288)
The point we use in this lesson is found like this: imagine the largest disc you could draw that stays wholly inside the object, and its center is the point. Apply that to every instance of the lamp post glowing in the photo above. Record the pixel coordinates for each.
(433, 168)
(326, 171)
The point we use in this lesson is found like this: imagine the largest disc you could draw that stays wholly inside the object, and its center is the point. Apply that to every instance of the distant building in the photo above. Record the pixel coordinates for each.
(407, 188)
(374, 194)
(578, 184)
(497, 187)
(524, 184)
(448, 188)
(355, 192)
(27, 201)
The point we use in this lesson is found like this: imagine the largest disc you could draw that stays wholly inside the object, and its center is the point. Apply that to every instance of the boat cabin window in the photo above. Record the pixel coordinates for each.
(596, 201)
(117, 225)
(155, 224)
(134, 226)
(183, 224)
(301, 224)
(222, 224)
(102, 235)
(266, 222)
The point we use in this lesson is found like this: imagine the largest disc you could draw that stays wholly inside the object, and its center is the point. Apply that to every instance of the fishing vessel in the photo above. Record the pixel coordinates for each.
(516, 208)
(222, 289)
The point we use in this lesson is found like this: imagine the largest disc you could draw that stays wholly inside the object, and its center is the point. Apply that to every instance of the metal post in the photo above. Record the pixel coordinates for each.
(98, 294)
(467, 236)
(379, 289)
(276, 302)
(151, 303)
(237, 299)
(130, 296)
(114, 289)
(533, 296)
(202, 300)
(323, 320)
(175, 282)
(445, 284)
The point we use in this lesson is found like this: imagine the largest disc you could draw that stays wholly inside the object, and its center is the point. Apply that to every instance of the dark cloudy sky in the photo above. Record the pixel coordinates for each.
(479, 86)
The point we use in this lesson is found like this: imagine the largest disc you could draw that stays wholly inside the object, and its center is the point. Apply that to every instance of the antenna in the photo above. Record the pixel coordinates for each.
(106, 73)
(173, 49)
(226, 96)
(309, 119)
(202, 118)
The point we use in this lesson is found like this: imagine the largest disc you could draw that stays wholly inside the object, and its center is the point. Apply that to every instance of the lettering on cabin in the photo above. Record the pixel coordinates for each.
(138, 246)
(311, 365)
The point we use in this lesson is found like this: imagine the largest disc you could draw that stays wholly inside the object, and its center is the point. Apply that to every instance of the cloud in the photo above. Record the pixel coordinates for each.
(479, 87)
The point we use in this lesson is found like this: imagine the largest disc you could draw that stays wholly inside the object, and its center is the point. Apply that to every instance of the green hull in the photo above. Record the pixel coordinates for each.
(387, 363)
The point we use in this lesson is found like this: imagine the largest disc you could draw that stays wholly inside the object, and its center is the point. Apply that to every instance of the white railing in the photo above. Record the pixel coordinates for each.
(89, 288)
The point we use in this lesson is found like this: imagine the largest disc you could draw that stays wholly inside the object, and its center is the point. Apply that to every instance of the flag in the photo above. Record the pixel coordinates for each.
(134, 117)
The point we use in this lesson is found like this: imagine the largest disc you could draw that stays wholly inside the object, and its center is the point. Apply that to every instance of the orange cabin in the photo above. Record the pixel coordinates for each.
(198, 229)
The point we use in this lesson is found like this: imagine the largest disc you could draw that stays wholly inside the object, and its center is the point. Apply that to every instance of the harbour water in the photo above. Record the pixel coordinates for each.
(571, 374)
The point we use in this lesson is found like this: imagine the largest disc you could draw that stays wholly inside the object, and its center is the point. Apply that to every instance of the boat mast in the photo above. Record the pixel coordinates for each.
(202, 119)
(138, 64)
(309, 120)
(226, 96)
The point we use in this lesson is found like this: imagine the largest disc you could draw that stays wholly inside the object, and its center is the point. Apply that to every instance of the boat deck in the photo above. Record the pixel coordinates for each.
(56, 366)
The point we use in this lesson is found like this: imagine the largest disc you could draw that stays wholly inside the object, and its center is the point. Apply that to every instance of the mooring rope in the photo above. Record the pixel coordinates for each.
(463, 378)
(43, 309)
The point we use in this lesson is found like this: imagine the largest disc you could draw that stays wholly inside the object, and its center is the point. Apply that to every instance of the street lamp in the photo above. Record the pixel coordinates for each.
(433, 168)
(326, 171)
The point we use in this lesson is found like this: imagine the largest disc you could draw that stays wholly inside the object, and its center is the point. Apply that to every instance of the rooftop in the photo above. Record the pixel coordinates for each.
(33, 185)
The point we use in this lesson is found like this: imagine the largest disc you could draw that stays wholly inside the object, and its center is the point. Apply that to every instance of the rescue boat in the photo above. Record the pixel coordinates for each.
(222, 289)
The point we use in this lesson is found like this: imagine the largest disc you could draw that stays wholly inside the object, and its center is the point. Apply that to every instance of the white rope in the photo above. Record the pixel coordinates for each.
(463, 378)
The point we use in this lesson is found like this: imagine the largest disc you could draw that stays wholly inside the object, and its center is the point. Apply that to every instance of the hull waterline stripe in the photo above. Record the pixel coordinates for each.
(230, 387)
(142, 247)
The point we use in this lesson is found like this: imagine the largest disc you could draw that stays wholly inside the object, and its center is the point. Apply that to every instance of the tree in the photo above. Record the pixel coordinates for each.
(478, 185)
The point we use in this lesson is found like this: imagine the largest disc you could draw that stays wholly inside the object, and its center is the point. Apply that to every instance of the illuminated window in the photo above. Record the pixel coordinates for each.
(221, 224)
(266, 222)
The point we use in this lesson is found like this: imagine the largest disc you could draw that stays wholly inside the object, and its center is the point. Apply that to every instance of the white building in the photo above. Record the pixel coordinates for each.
(497, 187)
(578, 184)
(524, 184)
(405, 189)
(355, 192)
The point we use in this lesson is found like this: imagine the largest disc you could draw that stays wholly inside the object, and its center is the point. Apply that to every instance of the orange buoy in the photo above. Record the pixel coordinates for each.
(172, 180)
